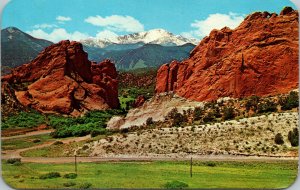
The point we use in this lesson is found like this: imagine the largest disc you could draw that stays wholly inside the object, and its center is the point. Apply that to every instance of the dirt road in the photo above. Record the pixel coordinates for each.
(33, 133)
(16, 154)
(125, 158)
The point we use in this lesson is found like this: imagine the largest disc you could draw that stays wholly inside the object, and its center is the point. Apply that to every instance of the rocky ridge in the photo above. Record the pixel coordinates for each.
(260, 57)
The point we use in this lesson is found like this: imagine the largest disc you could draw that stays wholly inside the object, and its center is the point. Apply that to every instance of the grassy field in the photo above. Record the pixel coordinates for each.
(12, 144)
(154, 174)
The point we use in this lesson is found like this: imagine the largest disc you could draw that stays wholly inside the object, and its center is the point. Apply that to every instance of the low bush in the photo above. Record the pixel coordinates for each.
(252, 103)
(98, 131)
(172, 114)
(178, 119)
(211, 164)
(209, 117)
(85, 186)
(36, 140)
(93, 122)
(69, 184)
(50, 175)
(14, 161)
(267, 106)
(294, 137)
(290, 102)
(279, 139)
(176, 185)
(23, 120)
(198, 113)
(149, 121)
(70, 176)
(228, 113)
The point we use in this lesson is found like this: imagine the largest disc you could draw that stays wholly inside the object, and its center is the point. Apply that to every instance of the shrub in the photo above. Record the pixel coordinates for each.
(294, 137)
(149, 121)
(267, 106)
(279, 139)
(172, 114)
(69, 184)
(290, 102)
(85, 186)
(217, 112)
(211, 164)
(198, 113)
(209, 117)
(124, 130)
(99, 131)
(252, 103)
(50, 175)
(93, 122)
(70, 176)
(176, 185)
(36, 141)
(178, 119)
(23, 120)
(58, 143)
(14, 161)
(228, 113)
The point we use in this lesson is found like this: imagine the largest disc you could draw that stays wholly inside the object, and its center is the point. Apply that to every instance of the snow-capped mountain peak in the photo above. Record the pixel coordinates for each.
(155, 36)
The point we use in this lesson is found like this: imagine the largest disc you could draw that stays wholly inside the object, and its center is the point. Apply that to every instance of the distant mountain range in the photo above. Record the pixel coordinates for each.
(138, 50)
(155, 36)
(18, 47)
(147, 56)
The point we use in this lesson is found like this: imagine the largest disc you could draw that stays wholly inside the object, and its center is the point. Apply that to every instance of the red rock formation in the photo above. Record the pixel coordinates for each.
(139, 101)
(260, 57)
(62, 80)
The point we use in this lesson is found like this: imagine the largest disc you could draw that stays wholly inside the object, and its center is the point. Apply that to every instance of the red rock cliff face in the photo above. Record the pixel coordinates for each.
(62, 80)
(260, 57)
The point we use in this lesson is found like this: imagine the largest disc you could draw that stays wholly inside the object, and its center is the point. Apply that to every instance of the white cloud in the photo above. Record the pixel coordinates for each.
(57, 35)
(43, 26)
(107, 34)
(116, 23)
(63, 18)
(214, 21)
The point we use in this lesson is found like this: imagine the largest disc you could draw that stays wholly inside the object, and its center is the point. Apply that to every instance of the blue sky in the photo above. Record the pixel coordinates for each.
(79, 19)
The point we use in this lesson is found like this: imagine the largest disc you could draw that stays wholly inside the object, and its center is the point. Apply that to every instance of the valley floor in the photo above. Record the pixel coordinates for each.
(156, 174)
(232, 154)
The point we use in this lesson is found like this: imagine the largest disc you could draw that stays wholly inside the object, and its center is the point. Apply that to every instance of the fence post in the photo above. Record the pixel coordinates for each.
(75, 163)
(191, 167)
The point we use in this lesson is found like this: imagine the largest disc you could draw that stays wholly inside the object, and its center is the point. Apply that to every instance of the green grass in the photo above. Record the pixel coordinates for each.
(25, 142)
(60, 150)
(156, 174)
(129, 94)
(123, 101)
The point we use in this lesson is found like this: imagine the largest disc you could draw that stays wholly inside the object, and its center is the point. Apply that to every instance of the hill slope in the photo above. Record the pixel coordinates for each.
(149, 55)
(19, 48)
